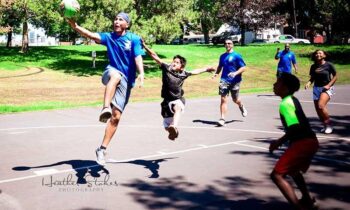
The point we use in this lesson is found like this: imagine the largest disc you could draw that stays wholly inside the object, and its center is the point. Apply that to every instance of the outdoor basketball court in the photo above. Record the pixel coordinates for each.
(48, 160)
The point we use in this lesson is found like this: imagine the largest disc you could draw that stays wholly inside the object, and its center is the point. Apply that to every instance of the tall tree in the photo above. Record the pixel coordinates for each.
(248, 14)
(207, 14)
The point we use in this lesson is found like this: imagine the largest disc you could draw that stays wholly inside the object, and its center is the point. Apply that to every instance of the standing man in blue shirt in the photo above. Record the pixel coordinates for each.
(232, 66)
(286, 57)
(125, 56)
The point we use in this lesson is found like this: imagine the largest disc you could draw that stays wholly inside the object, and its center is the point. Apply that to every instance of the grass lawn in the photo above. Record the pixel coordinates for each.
(60, 77)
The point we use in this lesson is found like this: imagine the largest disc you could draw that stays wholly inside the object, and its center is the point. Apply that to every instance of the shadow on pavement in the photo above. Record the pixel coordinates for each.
(82, 168)
(178, 193)
(152, 165)
(214, 122)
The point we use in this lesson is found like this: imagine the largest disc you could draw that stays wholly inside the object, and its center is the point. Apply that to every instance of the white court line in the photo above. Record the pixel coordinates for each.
(201, 147)
(304, 101)
(157, 127)
(113, 161)
(315, 157)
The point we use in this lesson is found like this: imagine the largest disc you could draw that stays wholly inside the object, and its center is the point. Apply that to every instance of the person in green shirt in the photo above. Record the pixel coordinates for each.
(303, 144)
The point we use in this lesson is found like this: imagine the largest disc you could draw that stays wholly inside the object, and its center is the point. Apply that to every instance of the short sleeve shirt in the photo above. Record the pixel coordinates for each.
(231, 62)
(322, 74)
(294, 121)
(122, 51)
(172, 82)
(286, 58)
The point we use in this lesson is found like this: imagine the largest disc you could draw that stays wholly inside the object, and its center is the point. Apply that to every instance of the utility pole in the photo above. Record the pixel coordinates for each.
(295, 20)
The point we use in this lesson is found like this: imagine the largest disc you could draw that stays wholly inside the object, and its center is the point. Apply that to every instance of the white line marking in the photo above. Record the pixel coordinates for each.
(15, 133)
(46, 172)
(315, 157)
(185, 127)
(304, 101)
(241, 143)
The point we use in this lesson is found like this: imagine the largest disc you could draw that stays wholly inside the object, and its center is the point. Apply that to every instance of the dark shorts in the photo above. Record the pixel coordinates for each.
(225, 89)
(165, 108)
(297, 157)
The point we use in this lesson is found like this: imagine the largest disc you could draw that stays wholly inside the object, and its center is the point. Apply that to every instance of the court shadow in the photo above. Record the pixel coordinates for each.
(82, 168)
(179, 193)
(152, 165)
(207, 122)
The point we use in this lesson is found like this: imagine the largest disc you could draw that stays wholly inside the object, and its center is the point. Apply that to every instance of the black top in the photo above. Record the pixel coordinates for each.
(322, 74)
(172, 82)
(294, 121)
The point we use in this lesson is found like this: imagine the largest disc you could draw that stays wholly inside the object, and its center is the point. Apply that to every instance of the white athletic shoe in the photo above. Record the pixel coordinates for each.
(327, 129)
(243, 111)
(221, 122)
(100, 156)
(106, 113)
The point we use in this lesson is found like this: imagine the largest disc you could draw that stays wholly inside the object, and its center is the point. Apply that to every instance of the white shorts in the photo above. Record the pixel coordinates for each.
(318, 90)
(167, 121)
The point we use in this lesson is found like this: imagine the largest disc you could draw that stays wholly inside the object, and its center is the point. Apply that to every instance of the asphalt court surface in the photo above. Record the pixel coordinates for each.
(48, 160)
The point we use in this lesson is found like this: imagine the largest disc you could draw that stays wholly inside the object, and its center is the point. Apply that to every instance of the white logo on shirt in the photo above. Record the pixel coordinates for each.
(128, 45)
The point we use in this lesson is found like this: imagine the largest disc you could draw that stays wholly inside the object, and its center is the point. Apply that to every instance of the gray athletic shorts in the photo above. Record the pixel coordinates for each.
(225, 88)
(122, 92)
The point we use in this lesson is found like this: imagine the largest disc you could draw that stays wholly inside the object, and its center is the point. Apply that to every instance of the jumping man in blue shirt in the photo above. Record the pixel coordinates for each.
(232, 66)
(125, 56)
(286, 58)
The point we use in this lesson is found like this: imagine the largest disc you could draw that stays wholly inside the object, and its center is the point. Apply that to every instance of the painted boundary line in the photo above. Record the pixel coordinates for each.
(305, 101)
(199, 147)
(160, 127)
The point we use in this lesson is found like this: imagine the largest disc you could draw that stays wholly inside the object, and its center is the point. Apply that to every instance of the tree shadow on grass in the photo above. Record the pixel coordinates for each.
(337, 55)
(75, 60)
(82, 168)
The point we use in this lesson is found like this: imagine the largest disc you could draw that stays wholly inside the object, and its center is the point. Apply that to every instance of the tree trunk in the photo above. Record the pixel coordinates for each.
(25, 43)
(205, 30)
(243, 5)
(9, 39)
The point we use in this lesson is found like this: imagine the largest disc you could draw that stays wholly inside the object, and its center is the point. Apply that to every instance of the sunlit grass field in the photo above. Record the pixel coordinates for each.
(61, 77)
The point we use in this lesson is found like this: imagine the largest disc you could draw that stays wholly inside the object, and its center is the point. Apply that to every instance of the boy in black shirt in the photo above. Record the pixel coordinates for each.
(173, 77)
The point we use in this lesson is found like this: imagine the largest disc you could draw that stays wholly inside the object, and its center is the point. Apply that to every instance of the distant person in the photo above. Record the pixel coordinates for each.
(232, 66)
(323, 75)
(173, 77)
(286, 59)
(125, 56)
(303, 144)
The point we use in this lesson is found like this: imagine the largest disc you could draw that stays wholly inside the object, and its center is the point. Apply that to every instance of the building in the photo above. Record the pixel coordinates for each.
(36, 37)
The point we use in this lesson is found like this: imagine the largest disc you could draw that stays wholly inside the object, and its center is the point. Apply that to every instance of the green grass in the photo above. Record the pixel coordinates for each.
(41, 106)
(76, 60)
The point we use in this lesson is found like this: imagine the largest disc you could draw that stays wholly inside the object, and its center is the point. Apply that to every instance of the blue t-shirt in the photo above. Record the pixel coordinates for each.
(231, 62)
(286, 58)
(122, 51)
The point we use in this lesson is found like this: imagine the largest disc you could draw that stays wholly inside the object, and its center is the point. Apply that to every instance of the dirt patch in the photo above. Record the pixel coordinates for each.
(34, 85)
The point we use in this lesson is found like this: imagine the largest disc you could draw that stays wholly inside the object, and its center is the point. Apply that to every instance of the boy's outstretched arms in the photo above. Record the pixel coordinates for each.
(199, 71)
(151, 53)
(84, 32)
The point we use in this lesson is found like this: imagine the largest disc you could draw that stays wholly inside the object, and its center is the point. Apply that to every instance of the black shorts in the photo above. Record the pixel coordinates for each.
(165, 109)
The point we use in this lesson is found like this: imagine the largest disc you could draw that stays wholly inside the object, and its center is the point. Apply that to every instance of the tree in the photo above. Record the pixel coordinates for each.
(9, 19)
(207, 15)
(248, 14)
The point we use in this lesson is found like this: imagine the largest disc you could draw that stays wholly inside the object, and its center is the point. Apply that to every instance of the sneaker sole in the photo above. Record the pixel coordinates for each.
(104, 117)
(173, 134)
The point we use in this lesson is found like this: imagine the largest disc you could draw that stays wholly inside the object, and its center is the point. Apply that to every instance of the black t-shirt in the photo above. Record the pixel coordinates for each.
(172, 82)
(322, 74)
(294, 121)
